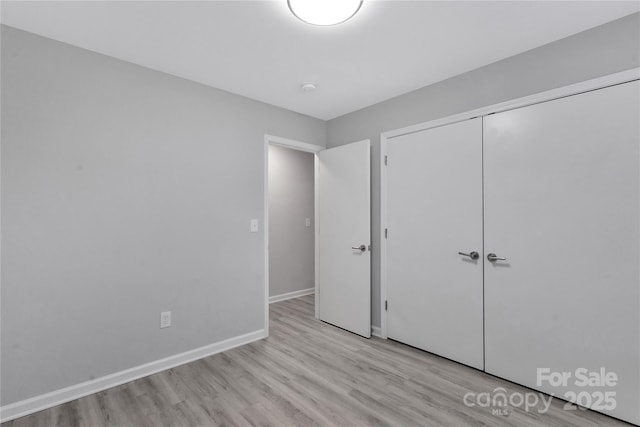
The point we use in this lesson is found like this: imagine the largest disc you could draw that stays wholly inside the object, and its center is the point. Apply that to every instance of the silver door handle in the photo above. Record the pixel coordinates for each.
(472, 255)
(361, 248)
(494, 258)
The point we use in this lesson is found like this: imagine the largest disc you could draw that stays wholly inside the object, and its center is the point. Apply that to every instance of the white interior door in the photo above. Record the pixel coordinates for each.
(345, 237)
(434, 211)
(562, 206)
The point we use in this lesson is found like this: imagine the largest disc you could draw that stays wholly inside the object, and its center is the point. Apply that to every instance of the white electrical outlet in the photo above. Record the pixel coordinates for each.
(165, 319)
(307, 222)
(254, 225)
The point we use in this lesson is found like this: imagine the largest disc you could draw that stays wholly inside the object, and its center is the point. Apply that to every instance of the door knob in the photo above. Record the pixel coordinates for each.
(494, 258)
(361, 248)
(472, 255)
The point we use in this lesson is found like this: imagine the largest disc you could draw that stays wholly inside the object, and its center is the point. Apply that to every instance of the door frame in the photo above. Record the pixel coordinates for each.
(385, 137)
(299, 146)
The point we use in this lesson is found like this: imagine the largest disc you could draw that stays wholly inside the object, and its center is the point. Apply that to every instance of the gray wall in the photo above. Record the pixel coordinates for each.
(599, 51)
(291, 201)
(125, 192)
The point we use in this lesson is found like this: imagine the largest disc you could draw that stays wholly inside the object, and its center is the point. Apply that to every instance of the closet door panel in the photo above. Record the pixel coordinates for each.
(434, 210)
(561, 204)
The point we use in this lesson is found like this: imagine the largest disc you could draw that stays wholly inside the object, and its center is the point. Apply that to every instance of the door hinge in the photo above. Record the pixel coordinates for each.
(386, 305)
(386, 232)
(386, 160)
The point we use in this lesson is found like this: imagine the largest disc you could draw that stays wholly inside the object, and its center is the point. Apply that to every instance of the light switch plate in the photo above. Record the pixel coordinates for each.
(307, 222)
(254, 225)
(165, 319)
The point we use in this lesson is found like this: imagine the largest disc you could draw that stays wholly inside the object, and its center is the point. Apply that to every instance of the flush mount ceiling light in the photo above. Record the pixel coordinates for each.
(324, 12)
(308, 87)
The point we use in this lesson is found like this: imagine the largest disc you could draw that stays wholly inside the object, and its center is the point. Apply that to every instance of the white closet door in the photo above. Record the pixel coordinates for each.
(434, 211)
(345, 235)
(562, 206)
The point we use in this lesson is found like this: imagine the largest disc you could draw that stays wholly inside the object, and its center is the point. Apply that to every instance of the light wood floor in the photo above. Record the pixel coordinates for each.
(307, 373)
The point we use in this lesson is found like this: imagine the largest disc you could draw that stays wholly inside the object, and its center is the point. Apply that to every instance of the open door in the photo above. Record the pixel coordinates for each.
(345, 237)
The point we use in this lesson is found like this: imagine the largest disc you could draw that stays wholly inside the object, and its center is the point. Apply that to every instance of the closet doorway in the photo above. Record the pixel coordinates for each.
(512, 242)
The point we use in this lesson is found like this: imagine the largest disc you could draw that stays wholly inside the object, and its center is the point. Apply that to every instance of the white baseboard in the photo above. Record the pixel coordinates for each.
(290, 295)
(67, 394)
(376, 331)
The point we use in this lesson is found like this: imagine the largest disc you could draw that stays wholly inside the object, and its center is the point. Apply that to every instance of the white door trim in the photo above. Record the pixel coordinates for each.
(300, 146)
(561, 92)
(573, 89)
(382, 331)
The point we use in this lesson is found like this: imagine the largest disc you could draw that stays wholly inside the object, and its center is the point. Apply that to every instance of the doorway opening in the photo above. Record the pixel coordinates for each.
(290, 198)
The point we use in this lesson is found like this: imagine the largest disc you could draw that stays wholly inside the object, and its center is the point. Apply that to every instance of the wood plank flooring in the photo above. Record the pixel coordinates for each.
(307, 373)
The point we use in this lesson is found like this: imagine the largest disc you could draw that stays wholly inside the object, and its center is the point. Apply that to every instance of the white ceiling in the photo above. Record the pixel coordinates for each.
(260, 50)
